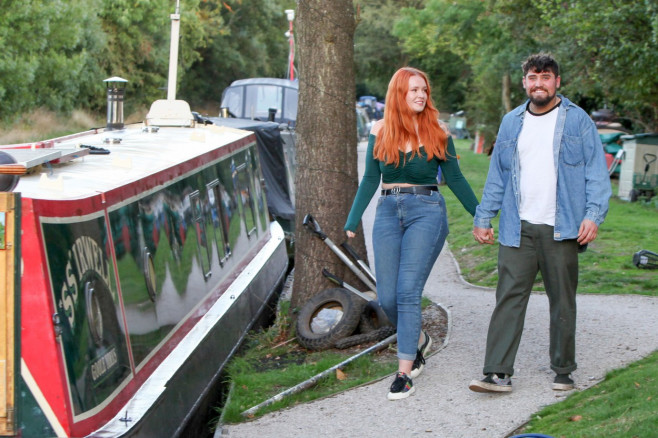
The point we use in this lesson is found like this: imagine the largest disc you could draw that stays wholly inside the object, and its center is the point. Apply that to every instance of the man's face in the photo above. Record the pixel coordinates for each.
(541, 87)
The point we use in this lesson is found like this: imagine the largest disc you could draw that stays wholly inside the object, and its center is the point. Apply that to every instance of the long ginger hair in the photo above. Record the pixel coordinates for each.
(400, 123)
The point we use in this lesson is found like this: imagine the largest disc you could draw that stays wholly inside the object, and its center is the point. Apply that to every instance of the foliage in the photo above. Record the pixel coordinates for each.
(488, 38)
(607, 48)
(379, 51)
(56, 54)
(46, 55)
(246, 39)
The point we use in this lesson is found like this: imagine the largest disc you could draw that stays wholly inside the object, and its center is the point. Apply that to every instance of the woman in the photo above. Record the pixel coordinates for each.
(405, 150)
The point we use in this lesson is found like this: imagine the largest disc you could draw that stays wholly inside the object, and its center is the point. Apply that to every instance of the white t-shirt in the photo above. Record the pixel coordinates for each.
(538, 179)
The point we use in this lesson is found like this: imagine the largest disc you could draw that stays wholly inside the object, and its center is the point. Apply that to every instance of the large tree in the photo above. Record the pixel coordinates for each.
(326, 178)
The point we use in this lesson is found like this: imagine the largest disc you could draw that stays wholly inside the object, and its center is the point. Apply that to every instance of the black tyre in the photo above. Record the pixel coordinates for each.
(375, 335)
(331, 315)
(7, 182)
(373, 318)
(634, 194)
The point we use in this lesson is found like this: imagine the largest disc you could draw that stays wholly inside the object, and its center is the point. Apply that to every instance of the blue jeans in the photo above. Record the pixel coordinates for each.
(407, 237)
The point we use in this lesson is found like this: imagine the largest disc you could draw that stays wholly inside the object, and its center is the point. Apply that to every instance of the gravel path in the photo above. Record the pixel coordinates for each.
(613, 331)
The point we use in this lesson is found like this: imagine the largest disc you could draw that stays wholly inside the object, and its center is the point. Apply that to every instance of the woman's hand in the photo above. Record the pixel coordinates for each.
(350, 234)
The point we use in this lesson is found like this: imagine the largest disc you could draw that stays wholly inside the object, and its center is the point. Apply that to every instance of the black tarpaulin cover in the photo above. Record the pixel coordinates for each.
(272, 161)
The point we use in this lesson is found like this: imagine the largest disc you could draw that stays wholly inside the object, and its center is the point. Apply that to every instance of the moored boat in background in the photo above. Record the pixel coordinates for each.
(134, 260)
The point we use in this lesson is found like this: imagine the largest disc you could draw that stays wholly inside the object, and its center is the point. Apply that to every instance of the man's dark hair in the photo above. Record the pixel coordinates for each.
(539, 63)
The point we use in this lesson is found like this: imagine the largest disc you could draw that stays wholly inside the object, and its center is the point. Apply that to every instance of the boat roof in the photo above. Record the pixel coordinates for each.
(266, 81)
(85, 165)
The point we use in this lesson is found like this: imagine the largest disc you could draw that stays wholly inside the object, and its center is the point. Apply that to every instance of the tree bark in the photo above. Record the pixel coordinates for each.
(507, 102)
(326, 177)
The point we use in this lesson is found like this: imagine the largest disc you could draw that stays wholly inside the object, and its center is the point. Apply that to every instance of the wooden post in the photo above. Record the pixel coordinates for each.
(9, 309)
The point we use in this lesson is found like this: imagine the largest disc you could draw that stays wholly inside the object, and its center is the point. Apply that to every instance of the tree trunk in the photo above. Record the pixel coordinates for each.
(326, 178)
(507, 102)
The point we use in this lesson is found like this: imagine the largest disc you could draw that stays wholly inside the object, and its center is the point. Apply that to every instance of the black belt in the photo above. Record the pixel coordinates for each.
(416, 190)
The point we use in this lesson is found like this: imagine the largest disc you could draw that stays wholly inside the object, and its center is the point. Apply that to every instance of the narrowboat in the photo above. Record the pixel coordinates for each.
(133, 261)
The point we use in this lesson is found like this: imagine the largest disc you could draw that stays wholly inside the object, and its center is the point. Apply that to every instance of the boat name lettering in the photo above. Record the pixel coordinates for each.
(104, 364)
(85, 255)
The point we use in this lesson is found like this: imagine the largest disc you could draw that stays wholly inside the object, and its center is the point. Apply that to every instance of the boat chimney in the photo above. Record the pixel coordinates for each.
(116, 90)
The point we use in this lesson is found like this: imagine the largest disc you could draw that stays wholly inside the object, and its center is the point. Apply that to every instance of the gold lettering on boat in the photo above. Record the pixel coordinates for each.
(85, 255)
(104, 364)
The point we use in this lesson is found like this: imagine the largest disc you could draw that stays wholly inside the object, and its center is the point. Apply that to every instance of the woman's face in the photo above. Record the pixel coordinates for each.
(417, 94)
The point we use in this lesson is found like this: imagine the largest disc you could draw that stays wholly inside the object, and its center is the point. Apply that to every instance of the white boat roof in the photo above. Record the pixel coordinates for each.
(134, 152)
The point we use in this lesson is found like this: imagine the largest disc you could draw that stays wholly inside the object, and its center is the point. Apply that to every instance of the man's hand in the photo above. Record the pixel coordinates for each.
(587, 232)
(483, 235)
(350, 234)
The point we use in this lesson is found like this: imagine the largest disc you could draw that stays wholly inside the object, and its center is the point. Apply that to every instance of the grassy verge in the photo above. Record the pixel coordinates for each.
(624, 405)
(269, 364)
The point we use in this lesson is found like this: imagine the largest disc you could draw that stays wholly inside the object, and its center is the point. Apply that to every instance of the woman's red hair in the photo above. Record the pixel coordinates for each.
(399, 128)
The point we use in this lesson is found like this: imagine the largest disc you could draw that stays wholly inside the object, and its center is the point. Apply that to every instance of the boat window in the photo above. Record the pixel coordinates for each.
(258, 185)
(260, 98)
(245, 195)
(290, 104)
(233, 100)
(200, 231)
(218, 202)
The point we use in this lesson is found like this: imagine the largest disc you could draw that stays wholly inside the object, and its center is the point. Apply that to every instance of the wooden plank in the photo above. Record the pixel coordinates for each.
(13, 169)
(7, 313)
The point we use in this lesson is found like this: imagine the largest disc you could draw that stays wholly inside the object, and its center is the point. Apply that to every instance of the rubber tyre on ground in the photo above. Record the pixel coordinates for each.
(327, 317)
(375, 335)
(634, 195)
(373, 318)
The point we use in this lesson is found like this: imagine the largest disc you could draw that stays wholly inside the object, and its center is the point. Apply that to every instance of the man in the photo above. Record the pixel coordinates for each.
(549, 180)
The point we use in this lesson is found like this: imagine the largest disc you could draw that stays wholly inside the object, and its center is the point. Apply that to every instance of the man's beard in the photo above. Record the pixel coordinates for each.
(541, 101)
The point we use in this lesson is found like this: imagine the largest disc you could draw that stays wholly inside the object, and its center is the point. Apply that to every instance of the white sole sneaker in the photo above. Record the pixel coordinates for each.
(423, 350)
(401, 395)
(481, 386)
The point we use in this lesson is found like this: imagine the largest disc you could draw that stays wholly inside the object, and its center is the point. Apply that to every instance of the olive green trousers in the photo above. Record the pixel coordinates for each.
(517, 270)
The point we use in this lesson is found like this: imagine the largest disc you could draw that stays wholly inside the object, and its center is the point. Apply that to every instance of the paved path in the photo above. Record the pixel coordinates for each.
(613, 331)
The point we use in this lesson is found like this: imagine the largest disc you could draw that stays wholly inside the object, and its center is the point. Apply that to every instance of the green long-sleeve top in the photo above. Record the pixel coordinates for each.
(412, 170)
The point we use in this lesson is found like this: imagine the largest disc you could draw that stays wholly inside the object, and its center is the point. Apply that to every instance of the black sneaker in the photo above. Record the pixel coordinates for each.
(419, 362)
(492, 383)
(402, 387)
(563, 382)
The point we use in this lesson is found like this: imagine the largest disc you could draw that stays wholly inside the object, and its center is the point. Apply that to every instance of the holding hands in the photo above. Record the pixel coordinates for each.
(483, 235)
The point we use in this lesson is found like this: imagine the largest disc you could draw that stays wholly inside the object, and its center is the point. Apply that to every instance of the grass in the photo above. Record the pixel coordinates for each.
(624, 405)
(269, 365)
(43, 124)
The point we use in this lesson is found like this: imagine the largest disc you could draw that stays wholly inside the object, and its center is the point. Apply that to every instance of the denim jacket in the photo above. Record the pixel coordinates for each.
(583, 183)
